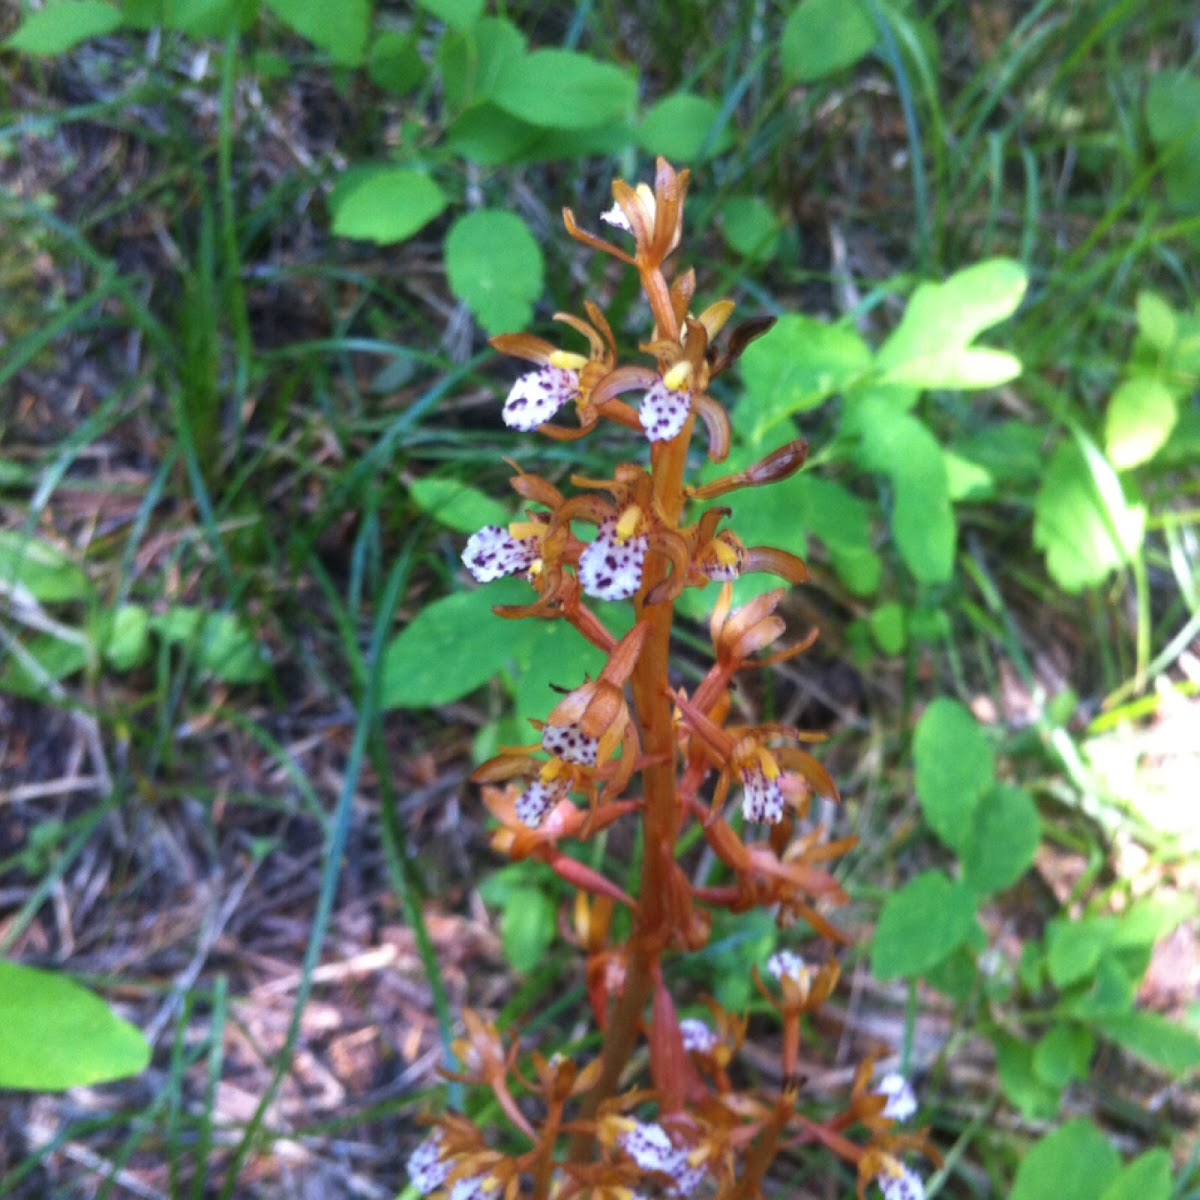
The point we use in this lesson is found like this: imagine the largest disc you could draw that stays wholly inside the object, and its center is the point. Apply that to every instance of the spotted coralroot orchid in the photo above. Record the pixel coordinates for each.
(669, 758)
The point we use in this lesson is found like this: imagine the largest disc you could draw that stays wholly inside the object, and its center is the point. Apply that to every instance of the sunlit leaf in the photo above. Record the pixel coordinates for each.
(920, 925)
(683, 127)
(63, 24)
(55, 1034)
(954, 767)
(1141, 415)
(494, 264)
(822, 37)
(1076, 1162)
(562, 89)
(385, 204)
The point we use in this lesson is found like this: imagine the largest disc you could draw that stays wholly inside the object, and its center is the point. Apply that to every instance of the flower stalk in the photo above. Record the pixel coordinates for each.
(633, 746)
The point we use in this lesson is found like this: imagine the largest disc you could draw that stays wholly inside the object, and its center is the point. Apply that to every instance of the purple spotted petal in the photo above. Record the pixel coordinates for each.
(426, 1167)
(493, 553)
(538, 799)
(763, 797)
(717, 570)
(538, 395)
(697, 1036)
(571, 744)
(905, 1186)
(787, 962)
(610, 569)
(664, 411)
(648, 1145)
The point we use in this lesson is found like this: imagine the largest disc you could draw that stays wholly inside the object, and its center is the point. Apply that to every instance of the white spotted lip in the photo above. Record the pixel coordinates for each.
(538, 395)
(610, 569)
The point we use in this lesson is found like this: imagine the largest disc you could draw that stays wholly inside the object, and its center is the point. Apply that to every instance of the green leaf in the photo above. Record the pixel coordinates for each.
(954, 766)
(127, 644)
(894, 443)
(395, 63)
(931, 347)
(1141, 415)
(967, 480)
(1035, 1098)
(822, 37)
(921, 925)
(385, 204)
(472, 62)
(956, 976)
(453, 646)
(1148, 1177)
(1076, 1162)
(1154, 1039)
(1064, 1054)
(1083, 521)
(1173, 119)
(527, 927)
(55, 1034)
(495, 265)
(486, 135)
(751, 227)
(560, 89)
(1157, 321)
(340, 29)
(209, 18)
(1074, 947)
(59, 26)
(1111, 994)
(457, 505)
(796, 367)
(888, 628)
(683, 127)
(458, 14)
(45, 572)
(55, 659)
(1002, 840)
(221, 644)
(1011, 451)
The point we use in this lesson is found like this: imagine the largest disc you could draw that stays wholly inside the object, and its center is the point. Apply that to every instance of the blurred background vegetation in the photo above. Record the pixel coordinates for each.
(251, 254)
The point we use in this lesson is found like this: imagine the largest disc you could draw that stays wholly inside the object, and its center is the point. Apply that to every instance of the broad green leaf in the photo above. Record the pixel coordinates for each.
(1157, 321)
(1002, 840)
(956, 976)
(1086, 528)
(1141, 415)
(385, 204)
(209, 18)
(1074, 947)
(457, 505)
(1009, 450)
(954, 766)
(527, 926)
(1173, 118)
(967, 480)
(553, 658)
(1148, 1177)
(127, 644)
(51, 658)
(340, 29)
(921, 925)
(1033, 1097)
(395, 63)
(888, 628)
(486, 135)
(63, 24)
(683, 128)
(751, 227)
(471, 62)
(45, 572)
(561, 89)
(221, 644)
(55, 1034)
(1154, 1039)
(1076, 1162)
(453, 646)
(796, 367)
(1064, 1054)
(495, 265)
(458, 14)
(894, 443)
(1110, 994)
(931, 347)
(822, 37)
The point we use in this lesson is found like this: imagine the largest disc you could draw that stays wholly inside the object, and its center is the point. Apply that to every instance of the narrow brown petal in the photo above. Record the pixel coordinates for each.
(772, 561)
(523, 345)
(716, 421)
